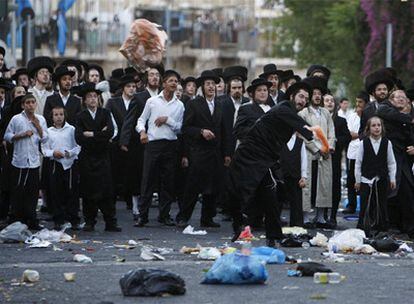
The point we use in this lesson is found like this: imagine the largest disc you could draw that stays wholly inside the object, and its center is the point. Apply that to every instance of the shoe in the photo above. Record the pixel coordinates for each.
(113, 228)
(135, 217)
(210, 224)
(141, 222)
(181, 224)
(309, 225)
(348, 211)
(88, 228)
(271, 243)
(236, 235)
(167, 221)
(326, 225)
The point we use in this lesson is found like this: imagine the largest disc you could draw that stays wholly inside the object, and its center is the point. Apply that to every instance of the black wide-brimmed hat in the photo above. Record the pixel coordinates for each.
(2, 51)
(258, 82)
(37, 63)
(99, 69)
(206, 75)
(376, 78)
(317, 83)
(187, 80)
(124, 80)
(236, 71)
(130, 70)
(288, 75)
(6, 84)
(219, 72)
(74, 62)
(85, 88)
(270, 69)
(300, 85)
(117, 73)
(62, 71)
(318, 67)
(20, 71)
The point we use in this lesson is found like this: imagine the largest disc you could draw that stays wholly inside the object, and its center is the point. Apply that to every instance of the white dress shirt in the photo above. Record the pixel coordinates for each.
(156, 107)
(345, 114)
(62, 139)
(265, 107)
(303, 156)
(210, 104)
(153, 93)
(126, 102)
(354, 122)
(64, 98)
(26, 152)
(392, 165)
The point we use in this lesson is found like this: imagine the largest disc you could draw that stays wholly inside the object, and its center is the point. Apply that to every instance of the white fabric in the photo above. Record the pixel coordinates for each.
(210, 104)
(265, 107)
(156, 107)
(40, 96)
(391, 163)
(126, 102)
(26, 152)
(345, 114)
(62, 140)
(354, 122)
(153, 93)
(64, 98)
(303, 155)
(93, 114)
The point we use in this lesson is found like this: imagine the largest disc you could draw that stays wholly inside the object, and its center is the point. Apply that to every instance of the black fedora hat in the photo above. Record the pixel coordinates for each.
(236, 71)
(6, 84)
(97, 68)
(62, 71)
(73, 62)
(300, 85)
(288, 75)
(117, 73)
(376, 78)
(270, 69)
(85, 88)
(258, 82)
(2, 51)
(320, 68)
(219, 72)
(317, 83)
(20, 71)
(205, 75)
(124, 80)
(37, 63)
(187, 80)
(130, 70)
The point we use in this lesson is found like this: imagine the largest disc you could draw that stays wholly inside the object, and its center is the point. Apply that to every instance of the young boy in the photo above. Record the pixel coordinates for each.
(26, 130)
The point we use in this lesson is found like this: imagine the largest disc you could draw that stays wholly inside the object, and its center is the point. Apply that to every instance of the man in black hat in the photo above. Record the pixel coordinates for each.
(259, 152)
(189, 88)
(317, 70)
(288, 78)
(379, 85)
(138, 77)
(121, 174)
(94, 130)
(164, 116)
(220, 86)
(272, 74)
(76, 66)
(95, 73)
(40, 69)
(63, 98)
(21, 78)
(203, 130)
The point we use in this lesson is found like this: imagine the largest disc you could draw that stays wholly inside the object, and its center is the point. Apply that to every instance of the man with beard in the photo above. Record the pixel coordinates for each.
(399, 131)
(63, 98)
(129, 140)
(272, 74)
(378, 84)
(40, 68)
(320, 165)
(119, 106)
(203, 130)
(258, 152)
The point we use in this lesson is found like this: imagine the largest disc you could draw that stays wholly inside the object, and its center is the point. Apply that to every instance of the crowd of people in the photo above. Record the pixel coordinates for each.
(81, 143)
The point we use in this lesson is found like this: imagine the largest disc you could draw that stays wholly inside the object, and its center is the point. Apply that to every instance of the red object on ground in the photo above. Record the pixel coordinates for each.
(246, 234)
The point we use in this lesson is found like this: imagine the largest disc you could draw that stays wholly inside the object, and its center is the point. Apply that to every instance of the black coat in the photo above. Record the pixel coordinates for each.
(228, 116)
(117, 107)
(369, 111)
(281, 96)
(246, 117)
(260, 149)
(72, 108)
(206, 157)
(94, 161)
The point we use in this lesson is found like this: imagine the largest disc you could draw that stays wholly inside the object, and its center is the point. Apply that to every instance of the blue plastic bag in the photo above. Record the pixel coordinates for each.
(235, 268)
(269, 255)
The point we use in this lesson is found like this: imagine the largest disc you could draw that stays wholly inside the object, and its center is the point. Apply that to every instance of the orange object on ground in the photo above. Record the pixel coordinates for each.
(246, 234)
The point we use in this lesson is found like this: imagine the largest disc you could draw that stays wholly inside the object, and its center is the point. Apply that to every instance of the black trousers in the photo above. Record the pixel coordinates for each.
(106, 205)
(5, 176)
(208, 208)
(64, 191)
(159, 166)
(336, 183)
(266, 198)
(24, 195)
(350, 182)
(374, 197)
(314, 182)
(295, 200)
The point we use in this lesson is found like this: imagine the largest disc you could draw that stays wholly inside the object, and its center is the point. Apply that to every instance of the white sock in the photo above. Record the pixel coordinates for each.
(135, 201)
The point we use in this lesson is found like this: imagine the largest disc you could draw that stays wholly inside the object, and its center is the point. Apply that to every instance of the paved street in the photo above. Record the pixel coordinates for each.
(369, 280)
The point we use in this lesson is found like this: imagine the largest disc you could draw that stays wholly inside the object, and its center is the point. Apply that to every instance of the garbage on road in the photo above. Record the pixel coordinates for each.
(365, 249)
(295, 240)
(30, 276)
(209, 253)
(45, 237)
(36, 243)
(151, 282)
(294, 230)
(319, 240)
(148, 254)
(190, 250)
(190, 230)
(246, 235)
(308, 269)
(325, 278)
(347, 240)
(15, 233)
(236, 268)
(386, 244)
(81, 258)
(269, 255)
(69, 276)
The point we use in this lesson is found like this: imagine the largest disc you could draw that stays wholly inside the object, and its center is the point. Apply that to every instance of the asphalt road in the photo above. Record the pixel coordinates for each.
(368, 279)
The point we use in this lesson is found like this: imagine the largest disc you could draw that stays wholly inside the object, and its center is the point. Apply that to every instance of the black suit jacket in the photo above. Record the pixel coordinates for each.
(247, 116)
(369, 111)
(72, 108)
(342, 134)
(228, 116)
(117, 107)
(136, 107)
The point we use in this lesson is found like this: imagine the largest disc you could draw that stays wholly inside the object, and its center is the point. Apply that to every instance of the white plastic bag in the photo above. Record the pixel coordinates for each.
(346, 240)
(81, 258)
(209, 253)
(319, 240)
(14, 233)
